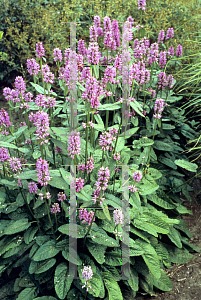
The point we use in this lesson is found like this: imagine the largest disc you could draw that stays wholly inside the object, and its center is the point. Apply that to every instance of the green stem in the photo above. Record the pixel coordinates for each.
(38, 223)
(86, 153)
(25, 200)
(90, 224)
(50, 219)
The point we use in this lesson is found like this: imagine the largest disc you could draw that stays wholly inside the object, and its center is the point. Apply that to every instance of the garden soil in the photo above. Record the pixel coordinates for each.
(186, 278)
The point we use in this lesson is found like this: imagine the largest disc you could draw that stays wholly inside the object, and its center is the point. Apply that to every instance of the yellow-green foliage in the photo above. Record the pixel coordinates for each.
(26, 22)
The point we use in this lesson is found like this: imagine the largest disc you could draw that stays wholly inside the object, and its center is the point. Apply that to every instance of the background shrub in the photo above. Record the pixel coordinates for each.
(26, 22)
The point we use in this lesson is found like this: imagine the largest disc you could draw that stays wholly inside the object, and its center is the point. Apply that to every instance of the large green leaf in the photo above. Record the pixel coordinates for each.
(157, 223)
(155, 174)
(46, 251)
(19, 225)
(162, 146)
(62, 280)
(148, 188)
(160, 202)
(142, 142)
(186, 165)
(28, 293)
(29, 234)
(133, 281)
(41, 267)
(151, 258)
(143, 225)
(58, 182)
(97, 251)
(175, 237)
(75, 259)
(45, 298)
(77, 231)
(99, 236)
(7, 145)
(112, 286)
(106, 210)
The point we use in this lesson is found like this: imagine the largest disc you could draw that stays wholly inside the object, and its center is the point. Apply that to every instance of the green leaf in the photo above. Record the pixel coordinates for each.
(160, 202)
(58, 182)
(41, 90)
(163, 255)
(163, 284)
(168, 162)
(77, 231)
(163, 146)
(182, 209)
(136, 106)
(151, 258)
(134, 280)
(138, 233)
(28, 294)
(75, 259)
(62, 280)
(97, 252)
(113, 258)
(40, 267)
(45, 298)
(19, 225)
(106, 210)
(175, 237)
(112, 286)
(47, 250)
(7, 145)
(99, 236)
(142, 142)
(109, 106)
(186, 165)
(129, 132)
(28, 174)
(157, 223)
(29, 234)
(120, 144)
(141, 224)
(110, 198)
(148, 188)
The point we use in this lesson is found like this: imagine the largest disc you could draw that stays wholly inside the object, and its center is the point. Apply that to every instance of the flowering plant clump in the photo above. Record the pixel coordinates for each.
(68, 193)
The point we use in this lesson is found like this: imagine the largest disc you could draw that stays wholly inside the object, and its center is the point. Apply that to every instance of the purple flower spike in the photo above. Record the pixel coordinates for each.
(4, 155)
(42, 171)
(40, 51)
(55, 208)
(179, 50)
(137, 176)
(141, 4)
(118, 216)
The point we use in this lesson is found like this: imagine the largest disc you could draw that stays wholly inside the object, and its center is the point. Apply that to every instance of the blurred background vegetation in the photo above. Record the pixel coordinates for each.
(25, 22)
